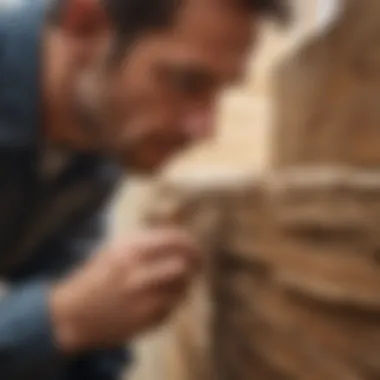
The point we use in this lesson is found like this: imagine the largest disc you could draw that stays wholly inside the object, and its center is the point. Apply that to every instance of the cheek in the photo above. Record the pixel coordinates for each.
(118, 105)
(86, 88)
(130, 102)
(199, 124)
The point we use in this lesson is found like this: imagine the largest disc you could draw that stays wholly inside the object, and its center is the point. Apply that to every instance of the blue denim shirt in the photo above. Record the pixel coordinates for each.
(46, 227)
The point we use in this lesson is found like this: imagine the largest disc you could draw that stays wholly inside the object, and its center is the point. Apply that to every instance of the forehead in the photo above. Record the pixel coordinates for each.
(207, 35)
(211, 22)
(215, 31)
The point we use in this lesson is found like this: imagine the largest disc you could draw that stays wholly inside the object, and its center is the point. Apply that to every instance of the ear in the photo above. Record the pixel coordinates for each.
(84, 18)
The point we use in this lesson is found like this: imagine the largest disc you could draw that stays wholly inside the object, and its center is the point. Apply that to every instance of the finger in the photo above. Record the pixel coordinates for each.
(156, 244)
(161, 274)
(171, 238)
(165, 305)
(173, 242)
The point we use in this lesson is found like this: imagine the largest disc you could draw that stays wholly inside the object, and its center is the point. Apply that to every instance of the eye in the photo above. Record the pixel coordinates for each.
(187, 81)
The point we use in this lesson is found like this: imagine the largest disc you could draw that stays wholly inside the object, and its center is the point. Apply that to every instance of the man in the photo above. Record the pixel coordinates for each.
(88, 87)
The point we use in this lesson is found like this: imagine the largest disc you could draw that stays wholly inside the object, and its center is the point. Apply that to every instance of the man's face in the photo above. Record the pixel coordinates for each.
(160, 97)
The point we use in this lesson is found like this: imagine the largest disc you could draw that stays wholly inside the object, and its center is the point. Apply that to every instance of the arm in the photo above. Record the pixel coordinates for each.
(97, 364)
(27, 349)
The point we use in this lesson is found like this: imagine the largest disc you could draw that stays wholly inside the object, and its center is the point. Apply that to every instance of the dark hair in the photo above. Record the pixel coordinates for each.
(135, 16)
(132, 17)
(277, 9)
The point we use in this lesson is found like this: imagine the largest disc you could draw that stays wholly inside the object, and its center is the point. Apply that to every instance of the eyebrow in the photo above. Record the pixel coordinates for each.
(202, 75)
(198, 73)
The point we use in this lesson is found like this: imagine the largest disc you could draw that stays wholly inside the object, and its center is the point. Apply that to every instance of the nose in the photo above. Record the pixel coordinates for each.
(199, 124)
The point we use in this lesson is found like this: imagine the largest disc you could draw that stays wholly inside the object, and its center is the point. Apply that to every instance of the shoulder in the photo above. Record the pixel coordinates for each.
(21, 22)
(16, 10)
(9, 6)
(12, 7)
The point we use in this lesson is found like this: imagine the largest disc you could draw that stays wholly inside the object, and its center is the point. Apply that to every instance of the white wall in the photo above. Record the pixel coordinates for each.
(328, 10)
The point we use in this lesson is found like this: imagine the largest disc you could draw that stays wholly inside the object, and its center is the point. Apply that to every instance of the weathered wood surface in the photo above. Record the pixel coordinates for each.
(293, 282)
(327, 94)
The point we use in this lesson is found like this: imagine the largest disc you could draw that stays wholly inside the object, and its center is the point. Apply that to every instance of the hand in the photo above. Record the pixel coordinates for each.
(129, 287)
